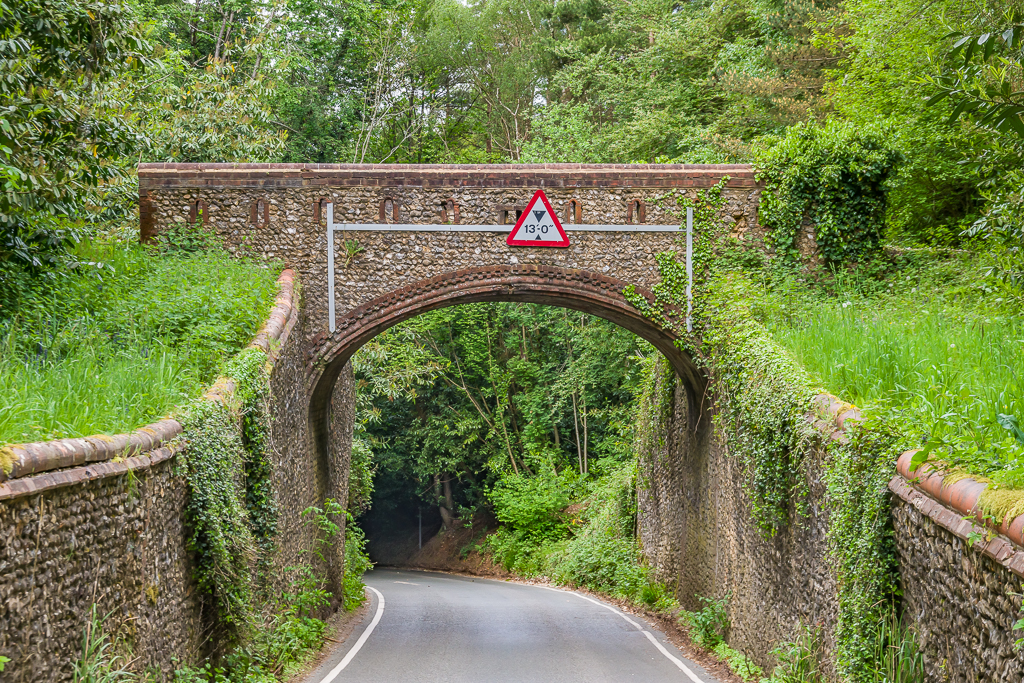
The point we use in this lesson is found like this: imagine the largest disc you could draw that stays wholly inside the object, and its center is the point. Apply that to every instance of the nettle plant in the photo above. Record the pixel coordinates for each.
(832, 176)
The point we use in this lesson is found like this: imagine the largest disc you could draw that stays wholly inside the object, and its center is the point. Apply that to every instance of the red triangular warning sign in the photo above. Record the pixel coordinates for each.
(538, 226)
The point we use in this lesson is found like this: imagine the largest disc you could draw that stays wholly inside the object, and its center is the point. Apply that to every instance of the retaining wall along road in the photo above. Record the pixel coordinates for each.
(696, 529)
(101, 521)
(963, 593)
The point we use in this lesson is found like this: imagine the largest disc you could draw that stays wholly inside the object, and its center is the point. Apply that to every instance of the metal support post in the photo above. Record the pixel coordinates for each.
(689, 268)
(330, 264)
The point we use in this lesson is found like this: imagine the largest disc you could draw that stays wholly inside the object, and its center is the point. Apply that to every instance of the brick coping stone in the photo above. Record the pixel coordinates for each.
(103, 455)
(155, 176)
(955, 508)
(952, 507)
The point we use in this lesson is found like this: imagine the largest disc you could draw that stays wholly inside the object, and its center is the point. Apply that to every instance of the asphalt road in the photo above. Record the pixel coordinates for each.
(452, 629)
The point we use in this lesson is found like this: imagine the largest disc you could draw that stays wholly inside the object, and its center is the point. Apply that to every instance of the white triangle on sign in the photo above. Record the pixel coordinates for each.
(538, 226)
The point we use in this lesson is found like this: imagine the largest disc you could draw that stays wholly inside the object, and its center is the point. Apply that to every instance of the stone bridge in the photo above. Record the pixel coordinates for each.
(100, 521)
(377, 244)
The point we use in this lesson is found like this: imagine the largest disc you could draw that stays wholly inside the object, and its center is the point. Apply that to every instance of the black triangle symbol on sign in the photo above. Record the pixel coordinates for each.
(539, 215)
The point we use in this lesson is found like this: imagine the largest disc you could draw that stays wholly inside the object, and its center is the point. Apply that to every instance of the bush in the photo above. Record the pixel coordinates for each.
(357, 563)
(833, 175)
(532, 506)
(708, 625)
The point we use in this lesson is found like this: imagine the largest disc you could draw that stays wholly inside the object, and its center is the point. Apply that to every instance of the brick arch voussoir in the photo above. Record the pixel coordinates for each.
(581, 290)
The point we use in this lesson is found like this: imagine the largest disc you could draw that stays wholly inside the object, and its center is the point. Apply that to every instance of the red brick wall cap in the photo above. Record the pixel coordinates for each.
(32, 458)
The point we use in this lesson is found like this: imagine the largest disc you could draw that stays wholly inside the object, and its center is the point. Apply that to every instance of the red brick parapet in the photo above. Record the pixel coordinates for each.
(947, 506)
(162, 176)
(955, 508)
(839, 416)
(99, 456)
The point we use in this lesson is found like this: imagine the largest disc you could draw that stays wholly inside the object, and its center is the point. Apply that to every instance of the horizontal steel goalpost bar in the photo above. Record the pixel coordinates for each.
(333, 227)
(458, 227)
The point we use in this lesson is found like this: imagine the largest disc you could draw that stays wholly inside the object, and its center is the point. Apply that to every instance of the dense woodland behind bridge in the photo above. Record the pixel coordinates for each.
(894, 127)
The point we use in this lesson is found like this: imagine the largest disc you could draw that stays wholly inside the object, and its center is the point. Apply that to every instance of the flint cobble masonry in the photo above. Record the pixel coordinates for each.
(112, 533)
(270, 210)
(696, 529)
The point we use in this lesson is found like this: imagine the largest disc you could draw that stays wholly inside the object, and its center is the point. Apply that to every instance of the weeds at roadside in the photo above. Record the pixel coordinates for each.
(896, 658)
(99, 663)
(709, 625)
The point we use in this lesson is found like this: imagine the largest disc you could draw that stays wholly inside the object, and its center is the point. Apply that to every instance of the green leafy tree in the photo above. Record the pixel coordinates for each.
(515, 390)
(986, 84)
(63, 122)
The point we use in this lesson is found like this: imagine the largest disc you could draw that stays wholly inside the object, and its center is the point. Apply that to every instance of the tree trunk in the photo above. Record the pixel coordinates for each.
(576, 426)
(583, 399)
(447, 510)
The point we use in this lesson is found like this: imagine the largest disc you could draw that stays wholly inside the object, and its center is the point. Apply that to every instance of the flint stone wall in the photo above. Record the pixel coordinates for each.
(696, 530)
(285, 225)
(961, 593)
(113, 534)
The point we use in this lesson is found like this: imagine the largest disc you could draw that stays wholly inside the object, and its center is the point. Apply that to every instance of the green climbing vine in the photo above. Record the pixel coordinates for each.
(764, 401)
(252, 391)
(833, 175)
(219, 536)
(764, 397)
(669, 306)
(764, 392)
(231, 513)
(861, 542)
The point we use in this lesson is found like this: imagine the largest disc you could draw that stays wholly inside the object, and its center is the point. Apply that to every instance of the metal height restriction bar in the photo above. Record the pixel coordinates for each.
(333, 227)
(689, 268)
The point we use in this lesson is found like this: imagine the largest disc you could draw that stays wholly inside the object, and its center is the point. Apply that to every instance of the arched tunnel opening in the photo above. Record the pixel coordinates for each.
(474, 415)
(461, 411)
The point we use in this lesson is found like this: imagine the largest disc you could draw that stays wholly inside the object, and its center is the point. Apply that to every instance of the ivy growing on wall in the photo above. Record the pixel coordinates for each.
(669, 306)
(252, 391)
(231, 513)
(763, 396)
(861, 543)
(832, 175)
(764, 400)
(219, 536)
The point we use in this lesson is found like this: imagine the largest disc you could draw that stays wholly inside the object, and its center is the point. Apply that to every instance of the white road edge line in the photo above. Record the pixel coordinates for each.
(650, 636)
(329, 678)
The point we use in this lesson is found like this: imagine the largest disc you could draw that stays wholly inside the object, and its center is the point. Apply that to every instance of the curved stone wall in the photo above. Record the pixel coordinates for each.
(101, 521)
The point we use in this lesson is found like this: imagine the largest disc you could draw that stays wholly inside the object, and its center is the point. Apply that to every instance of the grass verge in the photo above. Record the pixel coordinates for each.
(123, 337)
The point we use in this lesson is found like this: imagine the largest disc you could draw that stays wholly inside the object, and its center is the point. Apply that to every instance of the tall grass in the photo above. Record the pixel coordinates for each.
(938, 361)
(936, 344)
(123, 338)
(89, 391)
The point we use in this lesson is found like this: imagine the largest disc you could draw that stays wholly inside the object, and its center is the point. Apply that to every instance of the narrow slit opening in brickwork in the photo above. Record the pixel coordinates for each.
(449, 212)
(573, 212)
(388, 210)
(259, 215)
(636, 212)
(197, 212)
(320, 209)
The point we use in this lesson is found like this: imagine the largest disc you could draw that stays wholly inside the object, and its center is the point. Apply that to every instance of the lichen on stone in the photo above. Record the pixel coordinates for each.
(7, 460)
